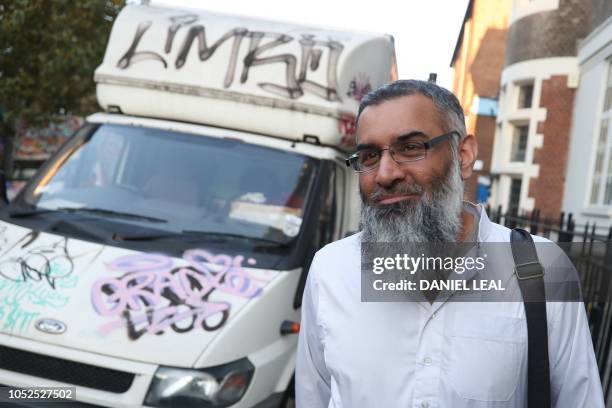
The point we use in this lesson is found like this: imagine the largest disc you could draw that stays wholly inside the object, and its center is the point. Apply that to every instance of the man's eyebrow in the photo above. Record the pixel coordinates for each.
(410, 135)
(400, 138)
(365, 146)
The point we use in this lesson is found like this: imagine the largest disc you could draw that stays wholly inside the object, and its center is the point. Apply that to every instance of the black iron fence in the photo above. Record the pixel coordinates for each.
(590, 248)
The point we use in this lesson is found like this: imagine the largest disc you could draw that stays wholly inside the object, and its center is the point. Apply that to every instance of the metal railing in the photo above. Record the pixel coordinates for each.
(590, 249)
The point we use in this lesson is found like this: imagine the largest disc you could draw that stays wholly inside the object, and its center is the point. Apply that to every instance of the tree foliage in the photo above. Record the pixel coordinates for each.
(49, 50)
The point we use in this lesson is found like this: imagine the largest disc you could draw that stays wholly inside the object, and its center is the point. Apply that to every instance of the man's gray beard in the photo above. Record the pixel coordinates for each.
(436, 217)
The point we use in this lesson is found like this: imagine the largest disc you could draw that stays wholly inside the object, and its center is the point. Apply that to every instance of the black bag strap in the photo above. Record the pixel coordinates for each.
(530, 275)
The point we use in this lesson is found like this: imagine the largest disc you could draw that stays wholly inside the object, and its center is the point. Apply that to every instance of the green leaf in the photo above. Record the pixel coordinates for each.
(49, 50)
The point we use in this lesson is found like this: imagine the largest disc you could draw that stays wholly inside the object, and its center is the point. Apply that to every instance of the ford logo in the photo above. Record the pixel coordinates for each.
(50, 326)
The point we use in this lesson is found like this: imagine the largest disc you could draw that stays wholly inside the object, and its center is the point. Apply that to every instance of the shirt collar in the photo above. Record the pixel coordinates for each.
(484, 225)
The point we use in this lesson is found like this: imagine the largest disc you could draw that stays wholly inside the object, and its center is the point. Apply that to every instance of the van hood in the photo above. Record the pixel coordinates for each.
(113, 301)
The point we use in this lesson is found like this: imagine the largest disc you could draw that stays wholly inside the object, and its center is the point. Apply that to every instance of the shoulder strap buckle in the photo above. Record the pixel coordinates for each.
(529, 270)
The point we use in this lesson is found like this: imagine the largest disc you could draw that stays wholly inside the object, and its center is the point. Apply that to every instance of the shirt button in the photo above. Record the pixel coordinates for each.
(425, 404)
(427, 361)
(433, 315)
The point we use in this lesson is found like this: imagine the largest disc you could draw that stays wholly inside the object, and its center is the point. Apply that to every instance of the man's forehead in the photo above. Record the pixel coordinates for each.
(396, 117)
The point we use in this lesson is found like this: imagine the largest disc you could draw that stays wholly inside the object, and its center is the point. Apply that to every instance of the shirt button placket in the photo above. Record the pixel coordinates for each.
(428, 373)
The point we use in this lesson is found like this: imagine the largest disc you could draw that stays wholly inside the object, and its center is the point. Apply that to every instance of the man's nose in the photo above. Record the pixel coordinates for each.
(388, 171)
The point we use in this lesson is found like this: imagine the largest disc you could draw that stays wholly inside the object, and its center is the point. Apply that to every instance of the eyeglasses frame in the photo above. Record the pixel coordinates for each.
(428, 145)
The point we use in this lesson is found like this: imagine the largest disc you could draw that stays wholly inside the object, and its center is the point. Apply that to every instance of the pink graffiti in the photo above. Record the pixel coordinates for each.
(154, 295)
(359, 87)
(346, 128)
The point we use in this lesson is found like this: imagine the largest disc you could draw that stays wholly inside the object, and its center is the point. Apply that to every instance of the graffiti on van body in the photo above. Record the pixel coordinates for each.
(259, 44)
(46, 263)
(153, 294)
(20, 302)
(33, 277)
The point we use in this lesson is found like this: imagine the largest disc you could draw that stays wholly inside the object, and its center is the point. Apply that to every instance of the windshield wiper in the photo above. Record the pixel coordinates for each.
(113, 213)
(101, 211)
(29, 212)
(152, 236)
(200, 236)
(227, 236)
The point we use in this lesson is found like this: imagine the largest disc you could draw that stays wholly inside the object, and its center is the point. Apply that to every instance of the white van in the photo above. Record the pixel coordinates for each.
(158, 258)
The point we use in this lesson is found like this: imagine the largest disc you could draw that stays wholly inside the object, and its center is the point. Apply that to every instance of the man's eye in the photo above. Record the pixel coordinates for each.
(409, 147)
(368, 156)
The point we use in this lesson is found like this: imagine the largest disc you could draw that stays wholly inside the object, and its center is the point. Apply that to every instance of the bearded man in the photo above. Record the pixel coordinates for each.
(412, 157)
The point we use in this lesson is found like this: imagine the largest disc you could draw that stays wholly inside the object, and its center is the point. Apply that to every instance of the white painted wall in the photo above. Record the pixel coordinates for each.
(593, 56)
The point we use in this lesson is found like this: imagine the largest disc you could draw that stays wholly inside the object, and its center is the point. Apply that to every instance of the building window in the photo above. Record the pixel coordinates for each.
(519, 143)
(600, 150)
(601, 186)
(608, 98)
(525, 96)
(515, 195)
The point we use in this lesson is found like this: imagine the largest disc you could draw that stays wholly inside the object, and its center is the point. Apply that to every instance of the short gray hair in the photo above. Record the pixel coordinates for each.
(448, 105)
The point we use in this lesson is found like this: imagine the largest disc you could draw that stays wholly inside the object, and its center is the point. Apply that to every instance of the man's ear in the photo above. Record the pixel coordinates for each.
(468, 151)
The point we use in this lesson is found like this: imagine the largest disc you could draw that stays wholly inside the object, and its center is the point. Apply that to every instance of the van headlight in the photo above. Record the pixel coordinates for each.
(212, 387)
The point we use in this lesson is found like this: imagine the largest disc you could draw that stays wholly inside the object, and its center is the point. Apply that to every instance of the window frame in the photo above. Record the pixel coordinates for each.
(515, 127)
(604, 116)
(519, 92)
(520, 193)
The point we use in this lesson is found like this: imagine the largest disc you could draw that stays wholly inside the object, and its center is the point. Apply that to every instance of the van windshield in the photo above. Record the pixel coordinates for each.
(193, 182)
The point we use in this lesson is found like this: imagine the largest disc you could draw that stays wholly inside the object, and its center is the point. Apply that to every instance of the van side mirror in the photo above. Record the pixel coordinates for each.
(3, 194)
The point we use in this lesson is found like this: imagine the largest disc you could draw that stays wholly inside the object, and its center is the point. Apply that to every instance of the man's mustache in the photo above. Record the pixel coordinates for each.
(397, 189)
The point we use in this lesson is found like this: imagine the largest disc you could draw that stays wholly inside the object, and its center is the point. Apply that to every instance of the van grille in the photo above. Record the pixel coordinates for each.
(65, 371)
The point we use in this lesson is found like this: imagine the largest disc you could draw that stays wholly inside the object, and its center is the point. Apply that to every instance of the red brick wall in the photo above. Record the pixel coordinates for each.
(547, 189)
(484, 132)
(485, 69)
(478, 66)
(547, 34)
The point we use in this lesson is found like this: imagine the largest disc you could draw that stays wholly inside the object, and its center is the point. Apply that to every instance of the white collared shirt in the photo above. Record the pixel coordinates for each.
(355, 354)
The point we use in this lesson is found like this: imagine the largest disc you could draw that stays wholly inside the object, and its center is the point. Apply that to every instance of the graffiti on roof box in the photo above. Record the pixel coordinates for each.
(260, 52)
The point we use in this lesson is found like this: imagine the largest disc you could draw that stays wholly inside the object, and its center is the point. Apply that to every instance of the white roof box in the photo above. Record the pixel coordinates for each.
(267, 77)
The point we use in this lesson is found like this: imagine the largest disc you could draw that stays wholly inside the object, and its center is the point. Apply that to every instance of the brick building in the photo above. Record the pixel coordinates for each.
(477, 61)
(538, 88)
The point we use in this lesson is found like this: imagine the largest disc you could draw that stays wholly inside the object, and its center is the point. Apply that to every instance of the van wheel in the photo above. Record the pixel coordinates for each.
(289, 397)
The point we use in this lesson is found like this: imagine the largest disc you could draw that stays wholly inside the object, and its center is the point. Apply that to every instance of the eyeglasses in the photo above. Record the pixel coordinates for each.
(403, 150)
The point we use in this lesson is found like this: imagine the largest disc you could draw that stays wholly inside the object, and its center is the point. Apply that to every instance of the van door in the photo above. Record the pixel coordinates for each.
(327, 227)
